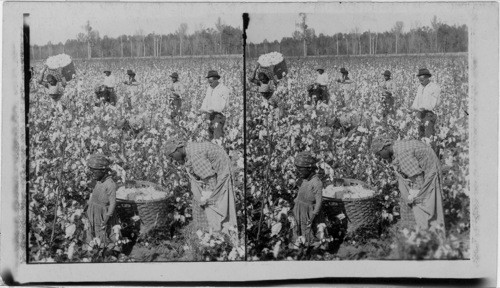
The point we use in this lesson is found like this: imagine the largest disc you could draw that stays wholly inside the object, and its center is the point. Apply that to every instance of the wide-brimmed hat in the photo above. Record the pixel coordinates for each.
(305, 159)
(98, 161)
(387, 73)
(213, 73)
(106, 71)
(175, 75)
(424, 71)
(319, 68)
(343, 71)
(130, 72)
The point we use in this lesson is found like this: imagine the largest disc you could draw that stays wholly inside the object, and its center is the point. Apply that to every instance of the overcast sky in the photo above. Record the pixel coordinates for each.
(330, 24)
(60, 21)
(65, 20)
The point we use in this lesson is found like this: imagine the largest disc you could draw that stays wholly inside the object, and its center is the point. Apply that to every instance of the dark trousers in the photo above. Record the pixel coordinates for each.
(109, 96)
(388, 105)
(325, 95)
(426, 127)
(216, 128)
(175, 105)
(320, 93)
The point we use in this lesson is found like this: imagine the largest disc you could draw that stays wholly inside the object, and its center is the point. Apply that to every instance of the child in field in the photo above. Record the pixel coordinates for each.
(308, 201)
(101, 206)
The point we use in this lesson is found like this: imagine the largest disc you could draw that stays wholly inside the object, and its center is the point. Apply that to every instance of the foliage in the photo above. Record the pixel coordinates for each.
(62, 139)
(275, 136)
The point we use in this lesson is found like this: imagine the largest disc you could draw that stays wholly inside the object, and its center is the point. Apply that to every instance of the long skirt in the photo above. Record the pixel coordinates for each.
(96, 213)
(220, 211)
(428, 205)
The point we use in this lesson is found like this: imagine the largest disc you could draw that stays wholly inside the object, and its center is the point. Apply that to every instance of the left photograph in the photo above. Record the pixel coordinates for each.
(135, 128)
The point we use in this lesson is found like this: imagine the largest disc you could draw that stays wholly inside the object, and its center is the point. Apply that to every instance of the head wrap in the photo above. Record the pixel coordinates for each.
(305, 159)
(172, 145)
(98, 161)
(379, 143)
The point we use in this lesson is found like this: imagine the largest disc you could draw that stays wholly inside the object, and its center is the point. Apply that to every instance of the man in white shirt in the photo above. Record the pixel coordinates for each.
(322, 81)
(425, 103)
(322, 77)
(109, 84)
(176, 89)
(215, 102)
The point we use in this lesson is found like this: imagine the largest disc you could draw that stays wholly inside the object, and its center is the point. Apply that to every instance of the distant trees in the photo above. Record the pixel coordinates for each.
(225, 39)
(181, 32)
(303, 33)
(437, 38)
(397, 30)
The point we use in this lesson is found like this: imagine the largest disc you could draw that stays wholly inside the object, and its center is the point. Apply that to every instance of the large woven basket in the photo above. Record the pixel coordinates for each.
(66, 72)
(152, 213)
(360, 212)
(279, 70)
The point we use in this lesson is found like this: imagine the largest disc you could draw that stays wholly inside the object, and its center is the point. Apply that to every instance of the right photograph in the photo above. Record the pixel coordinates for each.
(357, 136)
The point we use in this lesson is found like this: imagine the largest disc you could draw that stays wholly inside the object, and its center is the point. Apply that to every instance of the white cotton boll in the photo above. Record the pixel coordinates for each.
(275, 229)
(276, 249)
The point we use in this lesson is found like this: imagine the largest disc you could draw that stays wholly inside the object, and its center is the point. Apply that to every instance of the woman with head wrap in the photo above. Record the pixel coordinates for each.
(132, 87)
(102, 202)
(308, 200)
(345, 96)
(419, 175)
(266, 86)
(55, 88)
(209, 170)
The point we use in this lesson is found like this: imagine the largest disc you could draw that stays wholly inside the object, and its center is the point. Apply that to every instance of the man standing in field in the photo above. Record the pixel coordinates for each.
(177, 89)
(216, 99)
(387, 88)
(425, 104)
(419, 176)
(109, 85)
(321, 82)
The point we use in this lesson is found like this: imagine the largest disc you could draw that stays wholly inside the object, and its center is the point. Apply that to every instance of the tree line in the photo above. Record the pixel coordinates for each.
(438, 38)
(224, 39)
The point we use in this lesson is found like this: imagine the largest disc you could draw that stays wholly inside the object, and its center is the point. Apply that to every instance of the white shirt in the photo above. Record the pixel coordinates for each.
(427, 97)
(133, 86)
(215, 99)
(109, 81)
(388, 86)
(177, 88)
(322, 79)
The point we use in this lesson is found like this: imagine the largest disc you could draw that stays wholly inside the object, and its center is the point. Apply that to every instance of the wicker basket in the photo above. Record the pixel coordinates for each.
(66, 72)
(153, 213)
(279, 70)
(360, 212)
